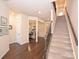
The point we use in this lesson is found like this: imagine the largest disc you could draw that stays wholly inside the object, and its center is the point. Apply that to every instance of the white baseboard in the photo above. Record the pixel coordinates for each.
(4, 53)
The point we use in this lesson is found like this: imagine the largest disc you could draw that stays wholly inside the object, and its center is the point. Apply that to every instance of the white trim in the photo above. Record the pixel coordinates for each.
(4, 53)
(36, 30)
(41, 21)
(36, 19)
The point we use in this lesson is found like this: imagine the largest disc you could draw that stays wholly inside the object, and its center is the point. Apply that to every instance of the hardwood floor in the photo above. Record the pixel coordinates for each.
(27, 51)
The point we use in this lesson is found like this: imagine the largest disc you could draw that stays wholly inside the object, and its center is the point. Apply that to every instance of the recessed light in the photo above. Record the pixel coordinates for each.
(61, 13)
(39, 12)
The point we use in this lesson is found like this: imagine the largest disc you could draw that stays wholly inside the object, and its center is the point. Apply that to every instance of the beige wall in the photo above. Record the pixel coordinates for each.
(42, 28)
(31, 24)
(4, 40)
(72, 7)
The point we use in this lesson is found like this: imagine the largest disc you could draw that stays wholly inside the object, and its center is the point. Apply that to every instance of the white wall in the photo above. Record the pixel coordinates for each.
(72, 38)
(22, 29)
(25, 29)
(18, 28)
(53, 18)
(4, 40)
(72, 7)
(12, 21)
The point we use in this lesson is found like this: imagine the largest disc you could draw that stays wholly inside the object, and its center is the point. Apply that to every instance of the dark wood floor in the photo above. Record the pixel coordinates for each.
(27, 51)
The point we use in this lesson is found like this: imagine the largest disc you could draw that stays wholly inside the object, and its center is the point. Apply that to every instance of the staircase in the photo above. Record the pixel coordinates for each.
(60, 45)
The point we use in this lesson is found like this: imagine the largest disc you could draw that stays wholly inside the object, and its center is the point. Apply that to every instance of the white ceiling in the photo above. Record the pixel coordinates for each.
(38, 8)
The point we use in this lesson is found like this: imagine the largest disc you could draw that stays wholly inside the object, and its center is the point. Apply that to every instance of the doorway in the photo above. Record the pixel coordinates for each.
(32, 31)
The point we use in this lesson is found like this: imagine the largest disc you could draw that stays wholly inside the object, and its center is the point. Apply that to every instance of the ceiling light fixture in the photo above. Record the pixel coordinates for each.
(39, 12)
(61, 13)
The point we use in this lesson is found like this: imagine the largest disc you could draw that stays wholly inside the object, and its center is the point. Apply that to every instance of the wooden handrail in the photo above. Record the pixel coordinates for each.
(76, 40)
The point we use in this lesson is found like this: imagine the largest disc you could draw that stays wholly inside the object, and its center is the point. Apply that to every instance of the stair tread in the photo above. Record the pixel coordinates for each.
(61, 41)
(61, 48)
(60, 44)
(57, 56)
(61, 37)
(65, 47)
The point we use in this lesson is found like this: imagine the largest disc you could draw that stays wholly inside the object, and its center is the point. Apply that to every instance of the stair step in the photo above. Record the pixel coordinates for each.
(61, 28)
(61, 45)
(59, 51)
(62, 48)
(60, 31)
(56, 37)
(61, 35)
(61, 40)
(57, 56)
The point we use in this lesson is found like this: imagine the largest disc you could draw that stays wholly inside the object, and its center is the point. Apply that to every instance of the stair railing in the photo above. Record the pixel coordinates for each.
(47, 39)
(48, 31)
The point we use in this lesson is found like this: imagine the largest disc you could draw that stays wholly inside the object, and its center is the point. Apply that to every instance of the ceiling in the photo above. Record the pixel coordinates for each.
(37, 8)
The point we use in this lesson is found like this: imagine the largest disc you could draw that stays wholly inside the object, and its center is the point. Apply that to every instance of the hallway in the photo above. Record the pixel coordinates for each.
(39, 29)
(60, 44)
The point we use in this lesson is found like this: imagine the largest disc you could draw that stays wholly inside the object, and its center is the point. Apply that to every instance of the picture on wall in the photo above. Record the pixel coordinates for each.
(3, 21)
(3, 31)
(10, 27)
(3, 26)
